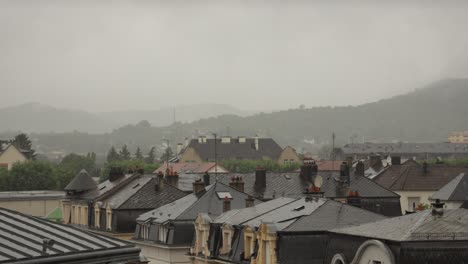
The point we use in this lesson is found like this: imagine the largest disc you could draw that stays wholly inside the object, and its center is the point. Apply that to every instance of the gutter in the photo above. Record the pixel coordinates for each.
(129, 253)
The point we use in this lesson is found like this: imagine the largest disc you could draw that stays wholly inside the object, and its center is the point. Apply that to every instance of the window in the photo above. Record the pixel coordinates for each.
(162, 233)
(222, 195)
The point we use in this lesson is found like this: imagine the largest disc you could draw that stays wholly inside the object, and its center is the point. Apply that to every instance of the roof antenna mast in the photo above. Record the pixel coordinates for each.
(216, 157)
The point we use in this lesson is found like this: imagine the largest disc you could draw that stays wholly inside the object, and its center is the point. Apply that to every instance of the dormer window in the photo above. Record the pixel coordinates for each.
(223, 195)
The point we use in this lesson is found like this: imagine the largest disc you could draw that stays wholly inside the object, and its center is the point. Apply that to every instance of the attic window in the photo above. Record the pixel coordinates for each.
(136, 185)
(222, 195)
(287, 176)
(102, 188)
(299, 208)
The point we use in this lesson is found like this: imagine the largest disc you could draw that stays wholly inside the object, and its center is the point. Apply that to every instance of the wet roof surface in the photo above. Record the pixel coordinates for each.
(455, 190)
(421, 226)
(21, 237)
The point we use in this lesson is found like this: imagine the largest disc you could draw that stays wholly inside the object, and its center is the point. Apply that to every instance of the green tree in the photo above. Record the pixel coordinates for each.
(31, 175)
(23, 142)
(71, 165)
(138, 154)
(124, 153)
(112, 155)
(244, 166)
(3, 179)
(168, 154)
(125, 165)
(151, 156)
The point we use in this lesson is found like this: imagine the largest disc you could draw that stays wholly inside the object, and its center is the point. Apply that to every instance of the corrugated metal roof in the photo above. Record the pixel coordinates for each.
(21, 238)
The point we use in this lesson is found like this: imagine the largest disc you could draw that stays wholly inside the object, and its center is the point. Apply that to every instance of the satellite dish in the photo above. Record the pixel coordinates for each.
(318, 181)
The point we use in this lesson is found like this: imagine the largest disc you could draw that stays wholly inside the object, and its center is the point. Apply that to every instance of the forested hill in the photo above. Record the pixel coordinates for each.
(427, 114)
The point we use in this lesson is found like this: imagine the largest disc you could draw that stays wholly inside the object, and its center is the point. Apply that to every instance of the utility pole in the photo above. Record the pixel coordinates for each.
(215, 156)
(333, 150)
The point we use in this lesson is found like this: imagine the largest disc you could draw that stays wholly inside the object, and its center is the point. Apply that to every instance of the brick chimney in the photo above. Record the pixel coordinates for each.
(237, 183)
(353, 199)
(249, 201)
(173, 178)
(309, 169)
(260, 178)
(313, 192)
(198, 186)
(226, 204)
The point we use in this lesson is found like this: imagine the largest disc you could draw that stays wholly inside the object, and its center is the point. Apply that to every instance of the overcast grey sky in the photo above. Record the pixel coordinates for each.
(256, 55)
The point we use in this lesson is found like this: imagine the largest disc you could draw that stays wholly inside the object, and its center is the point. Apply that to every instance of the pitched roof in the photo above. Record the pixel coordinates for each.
(141, 193)
(267, 147)
(410, 176)
(187, 167)
(31, 195)
(455, 190)
(421, 226)
(188, 207)
(332, 215)
(22, 236)
(405, 148)
(81, 182)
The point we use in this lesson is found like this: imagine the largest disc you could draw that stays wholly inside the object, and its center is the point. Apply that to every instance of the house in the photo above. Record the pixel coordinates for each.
(458, 137)
(35, 203)
(10, 155)
(454, 193)
(227, 148)
(192, 167)
(414, 182)
(430, 236)
(165, 234)
(266, 186)
(114, 205)
(27, 239)
(420, 151)
(274, 231)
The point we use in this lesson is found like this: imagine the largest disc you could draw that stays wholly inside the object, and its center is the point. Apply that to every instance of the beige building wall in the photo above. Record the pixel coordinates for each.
(458, 137)
(288, 156)
(162, 254)
(408, 197)
(39, 208)
(190, 155)
(10, 156)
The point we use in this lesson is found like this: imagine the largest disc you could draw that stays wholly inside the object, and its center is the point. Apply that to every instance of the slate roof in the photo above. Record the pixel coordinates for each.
(401, 148)
(268, 148)
(332, 215)
(81, 182)
(421, 226)
(107, 186)
(188, 207)
(410, 176)
(141, 193)
(455, 190)
(287, 184)
(296, 215)
(21, 240)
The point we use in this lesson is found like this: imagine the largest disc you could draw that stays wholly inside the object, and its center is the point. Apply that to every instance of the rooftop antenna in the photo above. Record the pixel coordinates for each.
(216, 157)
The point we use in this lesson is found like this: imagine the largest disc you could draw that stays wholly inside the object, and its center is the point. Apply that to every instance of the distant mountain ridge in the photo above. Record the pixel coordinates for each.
(427, 114)
(40, 118)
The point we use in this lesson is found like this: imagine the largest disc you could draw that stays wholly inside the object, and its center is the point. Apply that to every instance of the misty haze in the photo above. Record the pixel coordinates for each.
(233, 131)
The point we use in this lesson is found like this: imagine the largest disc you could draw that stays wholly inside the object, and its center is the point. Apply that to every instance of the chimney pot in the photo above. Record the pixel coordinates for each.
(437, 208)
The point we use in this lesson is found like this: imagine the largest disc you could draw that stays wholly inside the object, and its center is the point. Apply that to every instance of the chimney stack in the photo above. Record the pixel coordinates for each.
(359, 169)
(396, 160)
(437, 208)
(198, 186)
(344, 172)
(226, 204)
(375, 161)
(424, 168)
(256, 143)
(354, 199)
(237, 183)
(260, 178)
(206, 179)
(173, 178)
(249, 201)
(309, 169)
(160, 181)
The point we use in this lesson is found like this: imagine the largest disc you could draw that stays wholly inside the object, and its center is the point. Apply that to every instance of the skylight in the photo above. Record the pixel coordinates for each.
(222, 195)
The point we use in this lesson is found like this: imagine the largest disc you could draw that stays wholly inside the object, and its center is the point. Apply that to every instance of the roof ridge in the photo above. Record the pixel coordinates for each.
(276, 208)
(416, 225)
(375, 183)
